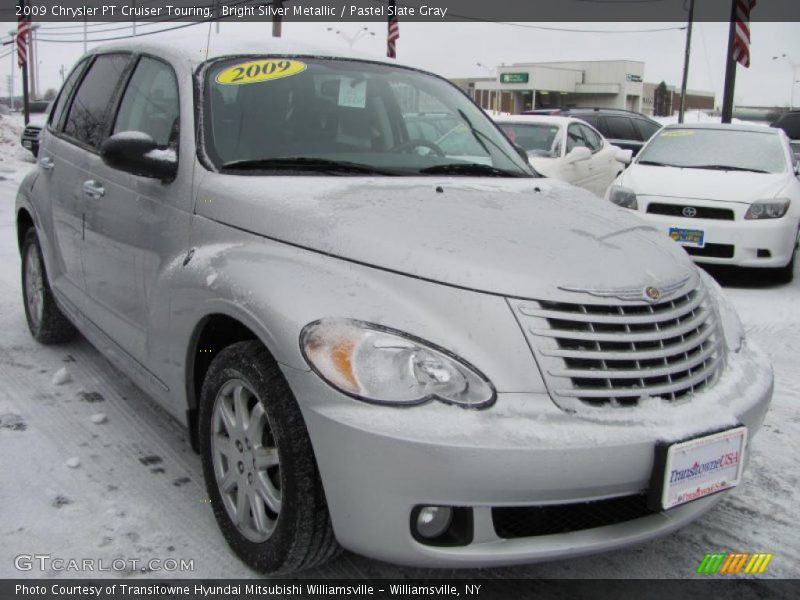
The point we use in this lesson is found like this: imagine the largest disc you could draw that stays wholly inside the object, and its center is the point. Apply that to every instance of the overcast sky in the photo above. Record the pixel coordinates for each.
(453, 49)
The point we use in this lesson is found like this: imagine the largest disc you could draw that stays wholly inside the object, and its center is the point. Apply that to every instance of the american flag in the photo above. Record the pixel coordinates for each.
(741, 43)
(23, 31)
(393, 33)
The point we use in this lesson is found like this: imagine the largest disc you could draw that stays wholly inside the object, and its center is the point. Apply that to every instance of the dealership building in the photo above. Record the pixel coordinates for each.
(602, 83)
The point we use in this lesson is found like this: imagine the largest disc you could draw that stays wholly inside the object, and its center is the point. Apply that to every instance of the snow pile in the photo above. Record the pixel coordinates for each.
(61, 376)
(698, 116)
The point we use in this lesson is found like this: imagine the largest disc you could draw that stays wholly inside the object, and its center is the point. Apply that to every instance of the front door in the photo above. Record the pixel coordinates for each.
(132, 222)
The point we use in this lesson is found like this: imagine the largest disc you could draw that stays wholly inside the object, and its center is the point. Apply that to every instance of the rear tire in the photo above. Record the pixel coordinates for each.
(46, 322)
(259, 466)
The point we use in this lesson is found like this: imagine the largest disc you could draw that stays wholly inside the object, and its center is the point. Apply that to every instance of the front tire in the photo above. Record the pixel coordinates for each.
(259, 465)
(46, 322)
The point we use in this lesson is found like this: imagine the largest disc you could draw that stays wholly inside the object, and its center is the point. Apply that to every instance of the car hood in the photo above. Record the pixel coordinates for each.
(702, 184)
(515, 237)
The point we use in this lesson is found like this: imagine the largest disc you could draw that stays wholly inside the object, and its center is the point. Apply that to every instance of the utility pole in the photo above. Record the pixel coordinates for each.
(277, 19)
(686, 61)
(133, 22)
(730, 70)
(62, 72)
(84, 35)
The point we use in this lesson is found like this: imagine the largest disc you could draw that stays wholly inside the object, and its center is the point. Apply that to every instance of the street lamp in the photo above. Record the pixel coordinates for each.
(351, 39)
(489, 70)
(793, 66)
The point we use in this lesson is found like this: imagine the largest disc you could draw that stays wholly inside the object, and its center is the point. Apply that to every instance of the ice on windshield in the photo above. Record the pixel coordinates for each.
(716, 148)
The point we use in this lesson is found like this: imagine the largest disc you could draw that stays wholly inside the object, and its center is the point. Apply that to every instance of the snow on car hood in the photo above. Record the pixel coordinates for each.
(495, 235)
(702, 184)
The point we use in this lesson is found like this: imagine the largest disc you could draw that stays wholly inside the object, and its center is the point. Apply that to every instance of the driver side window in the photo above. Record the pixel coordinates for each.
(150, 103)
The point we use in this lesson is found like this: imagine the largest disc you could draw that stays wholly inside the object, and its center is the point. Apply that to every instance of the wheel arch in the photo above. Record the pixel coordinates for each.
(24, 222)
(211, 334)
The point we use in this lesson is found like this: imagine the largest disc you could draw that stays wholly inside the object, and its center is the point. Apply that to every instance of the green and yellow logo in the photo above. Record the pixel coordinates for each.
(730, 563)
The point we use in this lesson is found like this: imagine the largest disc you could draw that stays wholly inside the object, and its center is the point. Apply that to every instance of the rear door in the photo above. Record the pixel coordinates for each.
(75, 122)
(621, 132)
(647, 129)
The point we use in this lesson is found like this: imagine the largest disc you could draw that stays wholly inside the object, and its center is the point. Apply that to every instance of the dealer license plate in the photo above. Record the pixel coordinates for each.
(688, 237)
(702, 466)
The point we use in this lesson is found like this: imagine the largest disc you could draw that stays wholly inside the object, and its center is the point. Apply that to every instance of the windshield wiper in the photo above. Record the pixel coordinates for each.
(480, 136)
(301, 163)
(470, 169)
(724, 168)
(653, 163)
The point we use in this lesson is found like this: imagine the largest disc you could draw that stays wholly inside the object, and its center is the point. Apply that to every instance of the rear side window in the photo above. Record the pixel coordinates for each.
(88, 116)
(620, 128)
(592, 120)
(66, 91)
(790, 123)
(150, 103)
(646, 128)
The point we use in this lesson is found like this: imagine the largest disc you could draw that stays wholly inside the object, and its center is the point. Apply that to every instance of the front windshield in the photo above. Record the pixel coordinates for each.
(315, 114)
(718, 149)
(538, 139)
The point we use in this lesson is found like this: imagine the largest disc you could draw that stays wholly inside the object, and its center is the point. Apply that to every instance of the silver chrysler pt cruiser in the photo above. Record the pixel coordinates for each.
(384, 332)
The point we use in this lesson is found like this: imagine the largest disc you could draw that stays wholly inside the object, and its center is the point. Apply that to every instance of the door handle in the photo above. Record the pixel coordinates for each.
(93, 189)
(47, 163)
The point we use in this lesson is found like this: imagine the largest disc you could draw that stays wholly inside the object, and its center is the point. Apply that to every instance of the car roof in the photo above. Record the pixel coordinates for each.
(195, 51)
(544, 119)
(725, 127)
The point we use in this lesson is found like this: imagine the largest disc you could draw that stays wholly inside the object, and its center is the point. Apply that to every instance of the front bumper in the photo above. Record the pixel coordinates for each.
(776, 236)
(378, 463)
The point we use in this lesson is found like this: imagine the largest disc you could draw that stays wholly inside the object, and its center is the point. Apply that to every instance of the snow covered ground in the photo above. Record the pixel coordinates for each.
(74, 484)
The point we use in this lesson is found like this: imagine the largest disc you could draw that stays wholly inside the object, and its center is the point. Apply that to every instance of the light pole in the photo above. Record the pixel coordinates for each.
(489, 70)
(351, 39)
(793, 66)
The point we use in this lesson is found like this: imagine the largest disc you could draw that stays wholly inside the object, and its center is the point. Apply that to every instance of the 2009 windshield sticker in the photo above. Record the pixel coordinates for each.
(255, 71)
(677, 133)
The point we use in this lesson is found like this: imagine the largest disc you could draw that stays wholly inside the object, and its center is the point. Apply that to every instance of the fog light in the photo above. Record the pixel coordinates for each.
(433, 521)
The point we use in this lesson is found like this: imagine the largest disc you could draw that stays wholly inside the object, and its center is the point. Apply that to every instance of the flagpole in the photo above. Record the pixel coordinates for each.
(730, 69)
(24, 67)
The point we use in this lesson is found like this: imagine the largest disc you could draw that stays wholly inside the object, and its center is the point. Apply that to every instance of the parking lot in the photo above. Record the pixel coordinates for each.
(127, 485)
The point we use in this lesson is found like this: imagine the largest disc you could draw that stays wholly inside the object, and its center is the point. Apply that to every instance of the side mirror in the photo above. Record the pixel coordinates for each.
(578, 153)
(624, 156)
(137, 153)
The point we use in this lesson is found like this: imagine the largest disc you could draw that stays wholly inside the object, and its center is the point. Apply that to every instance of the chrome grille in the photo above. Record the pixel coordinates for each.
(614, 354)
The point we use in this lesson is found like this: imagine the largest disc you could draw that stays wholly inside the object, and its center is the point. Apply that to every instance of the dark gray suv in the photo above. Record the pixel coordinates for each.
(623, 128)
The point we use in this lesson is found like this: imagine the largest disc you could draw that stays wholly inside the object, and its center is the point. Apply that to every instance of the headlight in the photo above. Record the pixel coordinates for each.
(624, 197)
(383, 366)
(767, 209)
(732, 327)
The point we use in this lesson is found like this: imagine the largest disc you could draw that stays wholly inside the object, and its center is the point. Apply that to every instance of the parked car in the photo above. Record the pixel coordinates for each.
(729, 194)
(626, 129)
(790, 123)
(37, 111)
(417, 357)
(567, 149)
